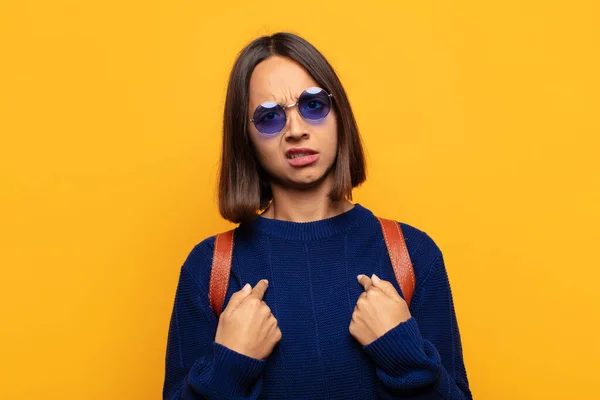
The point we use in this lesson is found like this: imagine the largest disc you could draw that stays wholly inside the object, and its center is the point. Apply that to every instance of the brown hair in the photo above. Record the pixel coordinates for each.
(244, 187)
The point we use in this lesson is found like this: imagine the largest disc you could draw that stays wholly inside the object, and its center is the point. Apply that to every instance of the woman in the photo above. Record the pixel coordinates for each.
(312, 310)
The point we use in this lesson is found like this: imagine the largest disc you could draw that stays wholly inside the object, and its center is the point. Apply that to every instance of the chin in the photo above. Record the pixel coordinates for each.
(304, 178)
(309, 179)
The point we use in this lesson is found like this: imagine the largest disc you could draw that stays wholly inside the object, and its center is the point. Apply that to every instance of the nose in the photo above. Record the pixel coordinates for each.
(297, 127)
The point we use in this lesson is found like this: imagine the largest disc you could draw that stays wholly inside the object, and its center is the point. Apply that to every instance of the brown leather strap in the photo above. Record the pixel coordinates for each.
(219, 274)
(403, 269)
(394, 241)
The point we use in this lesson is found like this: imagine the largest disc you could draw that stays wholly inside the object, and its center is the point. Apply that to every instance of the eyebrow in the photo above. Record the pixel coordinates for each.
(281, 103)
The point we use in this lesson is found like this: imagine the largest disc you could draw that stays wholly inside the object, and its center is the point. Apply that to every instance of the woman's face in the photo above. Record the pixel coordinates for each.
(302, 154)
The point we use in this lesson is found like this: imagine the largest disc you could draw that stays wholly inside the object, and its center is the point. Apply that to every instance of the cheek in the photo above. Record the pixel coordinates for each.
(331, 133)
(266, 149)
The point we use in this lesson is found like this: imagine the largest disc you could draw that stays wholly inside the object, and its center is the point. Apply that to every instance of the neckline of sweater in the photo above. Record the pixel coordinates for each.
(312, 230)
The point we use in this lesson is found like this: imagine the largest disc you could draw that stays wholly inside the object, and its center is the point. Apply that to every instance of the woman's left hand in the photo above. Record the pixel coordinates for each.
(379, 309)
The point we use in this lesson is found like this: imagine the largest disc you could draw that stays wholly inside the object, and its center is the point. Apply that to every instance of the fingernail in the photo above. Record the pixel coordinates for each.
(359, 277)
(266, 281)
(247, 288)
(375, 279)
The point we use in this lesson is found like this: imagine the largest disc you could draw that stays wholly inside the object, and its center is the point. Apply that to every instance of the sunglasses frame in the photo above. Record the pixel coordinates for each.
(285, 107)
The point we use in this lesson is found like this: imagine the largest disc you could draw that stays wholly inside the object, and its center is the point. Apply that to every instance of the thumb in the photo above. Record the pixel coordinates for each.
(386, 287)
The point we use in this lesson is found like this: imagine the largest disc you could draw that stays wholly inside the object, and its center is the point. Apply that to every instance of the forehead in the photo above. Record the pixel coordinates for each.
(278, 79)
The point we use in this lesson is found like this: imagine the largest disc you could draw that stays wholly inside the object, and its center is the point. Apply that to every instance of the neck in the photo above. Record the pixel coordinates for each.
(305, 205)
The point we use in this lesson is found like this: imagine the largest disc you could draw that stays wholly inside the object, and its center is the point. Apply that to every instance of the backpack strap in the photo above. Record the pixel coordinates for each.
(219, 273)
(394, 241)
(396, 246)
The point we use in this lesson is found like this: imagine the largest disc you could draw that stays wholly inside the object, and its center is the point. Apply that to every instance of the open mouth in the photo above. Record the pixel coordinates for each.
(301, 157)
(299, 153)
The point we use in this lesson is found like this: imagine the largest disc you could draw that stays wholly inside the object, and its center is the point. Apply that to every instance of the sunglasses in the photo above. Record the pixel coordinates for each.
(313, 104)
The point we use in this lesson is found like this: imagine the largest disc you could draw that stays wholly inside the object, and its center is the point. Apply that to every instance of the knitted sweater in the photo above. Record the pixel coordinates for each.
(312, 269)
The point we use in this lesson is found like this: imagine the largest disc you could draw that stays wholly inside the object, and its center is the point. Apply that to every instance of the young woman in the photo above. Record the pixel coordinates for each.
(313, 309)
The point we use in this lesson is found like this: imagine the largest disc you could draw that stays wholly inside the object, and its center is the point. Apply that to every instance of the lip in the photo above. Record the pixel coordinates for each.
(303, 161)
(296, 150)
(311, 157)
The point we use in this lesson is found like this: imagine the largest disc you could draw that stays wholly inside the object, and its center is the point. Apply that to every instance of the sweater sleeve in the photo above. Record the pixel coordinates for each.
(422, 357)
(196, 367)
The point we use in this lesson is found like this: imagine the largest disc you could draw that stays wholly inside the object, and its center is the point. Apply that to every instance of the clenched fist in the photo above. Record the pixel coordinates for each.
(247, 325)
(378, 309)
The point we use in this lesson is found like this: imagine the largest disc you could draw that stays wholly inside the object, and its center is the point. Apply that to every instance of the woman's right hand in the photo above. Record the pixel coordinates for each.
(247, 325)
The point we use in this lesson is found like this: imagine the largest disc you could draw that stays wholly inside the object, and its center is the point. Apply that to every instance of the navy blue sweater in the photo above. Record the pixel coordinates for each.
(312, 269)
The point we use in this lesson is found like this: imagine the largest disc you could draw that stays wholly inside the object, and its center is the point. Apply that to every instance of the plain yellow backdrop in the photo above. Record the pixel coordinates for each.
(481, 123)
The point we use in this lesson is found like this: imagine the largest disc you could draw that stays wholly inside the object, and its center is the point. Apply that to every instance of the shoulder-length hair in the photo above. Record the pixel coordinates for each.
(244, 188)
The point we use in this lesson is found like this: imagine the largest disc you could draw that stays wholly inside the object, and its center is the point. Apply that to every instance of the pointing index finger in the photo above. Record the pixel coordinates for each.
(365, 281)
(260, 289)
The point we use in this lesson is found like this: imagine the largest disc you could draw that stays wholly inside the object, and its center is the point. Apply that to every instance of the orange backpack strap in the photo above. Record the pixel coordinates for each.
(394, 240)
(403, 269)
(219, 274)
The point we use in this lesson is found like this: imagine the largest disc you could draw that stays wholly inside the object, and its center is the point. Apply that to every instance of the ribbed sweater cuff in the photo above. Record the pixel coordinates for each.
(235, 373)
(399, 350)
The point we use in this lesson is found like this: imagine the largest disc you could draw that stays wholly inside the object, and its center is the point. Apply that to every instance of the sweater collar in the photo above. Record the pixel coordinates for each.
(312, 230)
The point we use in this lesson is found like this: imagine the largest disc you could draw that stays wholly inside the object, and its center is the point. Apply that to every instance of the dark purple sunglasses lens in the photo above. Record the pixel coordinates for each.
(269, 118)
(314, 104)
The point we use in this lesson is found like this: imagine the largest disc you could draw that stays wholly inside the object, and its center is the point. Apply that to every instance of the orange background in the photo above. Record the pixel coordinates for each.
(481, 124)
